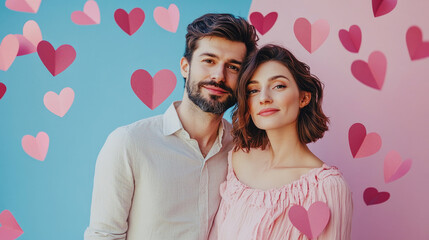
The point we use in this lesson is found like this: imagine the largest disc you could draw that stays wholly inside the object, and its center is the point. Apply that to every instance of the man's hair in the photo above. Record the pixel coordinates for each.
(311, 123)
(226, 26)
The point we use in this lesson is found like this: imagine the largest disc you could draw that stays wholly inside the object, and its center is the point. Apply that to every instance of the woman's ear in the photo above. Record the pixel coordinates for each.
(184, 67)
(305, 98)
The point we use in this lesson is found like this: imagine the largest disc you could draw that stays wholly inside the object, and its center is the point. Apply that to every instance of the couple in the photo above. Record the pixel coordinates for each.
(188, 174)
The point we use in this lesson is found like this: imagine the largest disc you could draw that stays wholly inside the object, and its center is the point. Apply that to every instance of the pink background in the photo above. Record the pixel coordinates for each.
(398, 113)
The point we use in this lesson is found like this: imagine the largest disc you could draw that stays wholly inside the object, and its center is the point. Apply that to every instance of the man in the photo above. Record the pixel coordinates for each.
(159, 178)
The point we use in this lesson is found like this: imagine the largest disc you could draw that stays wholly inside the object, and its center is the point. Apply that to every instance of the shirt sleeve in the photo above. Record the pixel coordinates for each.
(113, 189)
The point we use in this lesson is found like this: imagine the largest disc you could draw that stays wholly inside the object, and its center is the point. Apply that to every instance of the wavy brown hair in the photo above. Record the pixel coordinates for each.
(312, 122)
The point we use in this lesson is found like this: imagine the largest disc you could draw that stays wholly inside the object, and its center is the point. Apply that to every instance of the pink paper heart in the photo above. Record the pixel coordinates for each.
(30, 38)
(362, 144)
(167, 19)
(383, 7)
(36, 147)
(351, 39)
(9, 47)
(59, 104)
(311, 36)
(394, 167)
(58, 60)
(371, 196)
(31, 6)
(129, 23)
(89, 16)
(9, 227)
(417, 48)
(153, 91)
(261, 23)
(372, 73)
(2, 90)
(313, 222)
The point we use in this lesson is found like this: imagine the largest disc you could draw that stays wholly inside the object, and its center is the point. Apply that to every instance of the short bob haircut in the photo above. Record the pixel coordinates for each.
(312, 122)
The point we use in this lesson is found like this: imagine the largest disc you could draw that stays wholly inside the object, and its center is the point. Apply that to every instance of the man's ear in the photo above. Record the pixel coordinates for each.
(184, 67)
(305, 98)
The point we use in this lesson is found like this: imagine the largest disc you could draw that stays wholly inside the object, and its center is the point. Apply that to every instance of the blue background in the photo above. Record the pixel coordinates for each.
(51, 199)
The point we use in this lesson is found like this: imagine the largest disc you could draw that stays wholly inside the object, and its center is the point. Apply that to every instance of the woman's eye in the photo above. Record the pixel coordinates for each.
(279, 86)
(252, 91)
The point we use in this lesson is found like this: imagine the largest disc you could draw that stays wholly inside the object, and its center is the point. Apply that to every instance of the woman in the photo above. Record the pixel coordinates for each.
(271, 168)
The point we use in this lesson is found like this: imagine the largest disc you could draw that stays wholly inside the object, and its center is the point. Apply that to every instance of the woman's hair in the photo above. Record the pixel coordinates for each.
(312, 122)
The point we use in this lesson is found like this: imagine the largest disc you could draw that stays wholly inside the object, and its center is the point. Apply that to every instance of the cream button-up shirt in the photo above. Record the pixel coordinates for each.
(152, 182)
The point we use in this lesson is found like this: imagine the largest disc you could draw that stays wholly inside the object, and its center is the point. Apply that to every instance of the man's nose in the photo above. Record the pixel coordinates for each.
(218, 73)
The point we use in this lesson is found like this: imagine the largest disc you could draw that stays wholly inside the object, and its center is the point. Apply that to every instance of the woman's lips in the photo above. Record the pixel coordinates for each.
(267, 111)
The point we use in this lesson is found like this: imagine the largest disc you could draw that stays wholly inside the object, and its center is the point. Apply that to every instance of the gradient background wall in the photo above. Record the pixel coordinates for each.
(51, 199)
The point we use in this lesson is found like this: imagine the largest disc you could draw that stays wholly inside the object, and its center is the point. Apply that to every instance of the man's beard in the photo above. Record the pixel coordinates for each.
(212, 105)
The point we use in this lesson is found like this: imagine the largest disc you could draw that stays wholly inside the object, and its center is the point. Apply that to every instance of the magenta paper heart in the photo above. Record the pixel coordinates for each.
(351, 39)
(416, 47)
(36, 147)
(394, 167)
(59, 104)
(311, 36)
(371, 196)
(89, 16)
(2, 90)
(9, 227)
(30, 38)
(383, 7)
(261, 23)
(31, 6)
(372, 73)
(167, 19)
(362, 144)
(313, 222)
(9, 47)
(129, 23)
(58, 60)
(153, 91)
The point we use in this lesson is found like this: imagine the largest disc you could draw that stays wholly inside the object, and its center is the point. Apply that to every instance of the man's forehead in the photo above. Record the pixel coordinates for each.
(220, 47)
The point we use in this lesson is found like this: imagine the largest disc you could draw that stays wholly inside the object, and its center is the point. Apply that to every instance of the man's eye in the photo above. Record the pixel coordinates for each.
(235, 68)
(208, 61)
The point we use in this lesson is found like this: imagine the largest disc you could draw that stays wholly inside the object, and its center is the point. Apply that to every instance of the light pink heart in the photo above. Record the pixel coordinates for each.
(59, 104)
(167, 19)
(58, 60)
(394, 167)
(383, 7)
(351, 39)
(313, 222)
(30, 38)
(153, 91)
(89, 16)
(129, 23)
(311, 36)
(263, 23)
(31, 6)
(9, 47)
(36, 147)
(9, 227)
(372, 73)
(362, 144)
(417, 48)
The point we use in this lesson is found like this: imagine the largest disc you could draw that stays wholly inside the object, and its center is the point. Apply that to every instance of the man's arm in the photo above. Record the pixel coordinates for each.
(113, 189)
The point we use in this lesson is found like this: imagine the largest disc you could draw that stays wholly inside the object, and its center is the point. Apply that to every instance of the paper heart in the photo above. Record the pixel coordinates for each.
(31, 6)
(371, 196)
(89, 16)
(29, 39)
(362, 144)
(313, 222)
(417, 48)
(153, 91)
(9, 227)
(58, 60)
(261, 23)
(372, 73)
(2, 90)
(394, 167)
(351, 39)
(129, 23)
(167, 19)
(383, 7)
(311, 36)
(36, 147)
(9, 47)
(59, 104)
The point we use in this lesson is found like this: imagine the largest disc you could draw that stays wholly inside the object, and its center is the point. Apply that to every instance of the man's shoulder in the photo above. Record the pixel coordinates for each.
(141, 129)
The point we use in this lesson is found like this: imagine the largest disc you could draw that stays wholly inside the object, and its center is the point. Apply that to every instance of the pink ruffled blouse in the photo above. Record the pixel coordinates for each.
(246, 213)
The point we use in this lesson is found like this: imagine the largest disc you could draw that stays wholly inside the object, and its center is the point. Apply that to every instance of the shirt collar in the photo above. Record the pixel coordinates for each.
(171, 121)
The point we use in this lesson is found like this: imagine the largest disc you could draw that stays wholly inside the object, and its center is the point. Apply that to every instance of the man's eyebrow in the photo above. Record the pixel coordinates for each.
(233, 61)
